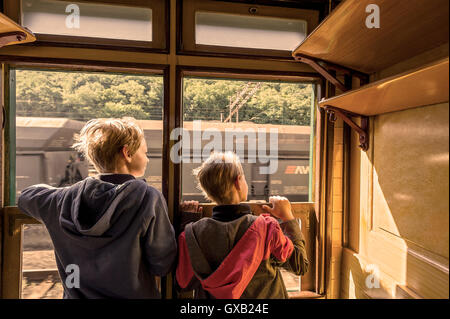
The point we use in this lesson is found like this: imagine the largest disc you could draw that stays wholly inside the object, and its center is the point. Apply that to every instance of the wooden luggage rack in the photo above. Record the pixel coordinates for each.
(11, 33)
(344, 43)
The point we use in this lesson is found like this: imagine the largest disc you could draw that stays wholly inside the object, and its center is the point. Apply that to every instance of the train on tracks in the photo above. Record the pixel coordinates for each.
(44, 154)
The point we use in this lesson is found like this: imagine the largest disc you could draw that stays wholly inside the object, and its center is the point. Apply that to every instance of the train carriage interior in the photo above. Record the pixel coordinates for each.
(342, 107)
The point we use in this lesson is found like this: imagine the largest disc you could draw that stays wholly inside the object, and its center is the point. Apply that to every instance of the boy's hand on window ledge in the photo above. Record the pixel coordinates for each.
(281, 208)
(190, 212)
(190, 207)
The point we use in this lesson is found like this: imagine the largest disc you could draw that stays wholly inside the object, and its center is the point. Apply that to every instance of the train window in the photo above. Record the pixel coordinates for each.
(243, 29)
(51, 106)
(114, 22)
(268, 124)
(231, 30)
(87, 19)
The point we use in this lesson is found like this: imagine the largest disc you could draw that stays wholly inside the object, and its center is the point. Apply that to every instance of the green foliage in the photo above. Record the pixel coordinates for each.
(83, 96)
(274, 102)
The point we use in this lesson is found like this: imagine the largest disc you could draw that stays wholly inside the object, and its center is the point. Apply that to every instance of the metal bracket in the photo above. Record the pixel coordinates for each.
(8, 37)
(328, 71)
(363, 131)
(325, 70)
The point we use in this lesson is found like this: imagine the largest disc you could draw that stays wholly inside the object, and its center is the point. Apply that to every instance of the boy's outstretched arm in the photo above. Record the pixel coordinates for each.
(39, 201)
(297, 262)
(160, 247)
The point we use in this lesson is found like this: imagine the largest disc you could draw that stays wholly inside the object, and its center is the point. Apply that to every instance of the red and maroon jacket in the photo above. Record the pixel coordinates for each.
(235, 254)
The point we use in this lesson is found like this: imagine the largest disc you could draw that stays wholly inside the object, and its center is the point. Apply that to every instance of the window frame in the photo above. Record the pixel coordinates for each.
(172, 63)
(186, 29)
(243, 74)
(160, 21)
(13, 218)
(300, 208)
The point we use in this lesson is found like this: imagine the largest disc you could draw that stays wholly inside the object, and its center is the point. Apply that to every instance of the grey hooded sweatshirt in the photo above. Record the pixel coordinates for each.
(113, 229)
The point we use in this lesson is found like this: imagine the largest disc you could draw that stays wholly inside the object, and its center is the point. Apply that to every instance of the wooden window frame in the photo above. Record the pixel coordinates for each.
(306, 211)
(160, 21)
(13, 218)
(186, 29)
(173, 62)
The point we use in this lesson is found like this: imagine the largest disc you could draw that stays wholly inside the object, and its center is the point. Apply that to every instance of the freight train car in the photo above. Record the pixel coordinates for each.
(44, 155)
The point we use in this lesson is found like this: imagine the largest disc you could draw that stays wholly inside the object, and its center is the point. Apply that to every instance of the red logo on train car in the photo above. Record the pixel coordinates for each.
(293, 169)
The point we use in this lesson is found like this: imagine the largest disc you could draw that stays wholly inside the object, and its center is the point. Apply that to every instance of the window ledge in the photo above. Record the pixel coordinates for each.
(304, 295)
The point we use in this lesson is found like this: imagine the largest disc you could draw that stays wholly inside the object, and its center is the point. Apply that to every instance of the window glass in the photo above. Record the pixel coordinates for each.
(87, 19)
(266, 123)
(52, 106)
(243, 31)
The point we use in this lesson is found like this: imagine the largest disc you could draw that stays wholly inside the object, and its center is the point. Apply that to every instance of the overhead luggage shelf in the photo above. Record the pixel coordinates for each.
(361, 37)
(407, 28)
(12, 33)
(424, 86)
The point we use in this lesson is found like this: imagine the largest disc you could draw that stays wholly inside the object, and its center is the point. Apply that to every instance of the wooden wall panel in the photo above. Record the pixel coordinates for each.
(411, 176)
(355, 202)
(358, 270)
(335, 209)
(426, 275)
(421, 277)
(403, 231)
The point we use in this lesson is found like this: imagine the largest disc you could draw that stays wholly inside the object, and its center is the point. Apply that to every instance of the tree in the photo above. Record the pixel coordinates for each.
(86, 95)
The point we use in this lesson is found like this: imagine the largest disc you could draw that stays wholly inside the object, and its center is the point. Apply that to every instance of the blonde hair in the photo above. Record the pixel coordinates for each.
(101, 140)
(216, 176)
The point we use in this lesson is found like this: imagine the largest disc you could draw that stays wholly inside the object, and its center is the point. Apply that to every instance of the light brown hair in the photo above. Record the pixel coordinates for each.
(101, 141)
(216, 176)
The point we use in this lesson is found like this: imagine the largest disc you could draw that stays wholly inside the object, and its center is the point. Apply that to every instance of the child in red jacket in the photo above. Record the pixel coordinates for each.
(235, 254)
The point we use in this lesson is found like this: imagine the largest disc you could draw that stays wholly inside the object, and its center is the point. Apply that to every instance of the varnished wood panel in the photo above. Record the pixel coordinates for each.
(354, 191)
(403, 231)
(357, 268)
(426, 274)
(407, 28)
(407, 264)
(411, 171)
(26, 53)
(438, 53)
(355, 271)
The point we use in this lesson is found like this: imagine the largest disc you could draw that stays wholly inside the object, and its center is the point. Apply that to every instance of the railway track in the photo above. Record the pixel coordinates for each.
(41, 284)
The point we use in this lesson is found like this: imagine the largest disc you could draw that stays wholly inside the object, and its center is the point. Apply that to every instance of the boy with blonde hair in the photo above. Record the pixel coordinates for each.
(235, 254)
(114, 228)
